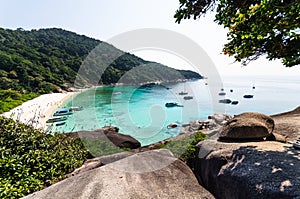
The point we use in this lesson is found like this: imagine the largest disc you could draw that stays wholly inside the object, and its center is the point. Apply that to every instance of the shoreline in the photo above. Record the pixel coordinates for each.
(35, 112)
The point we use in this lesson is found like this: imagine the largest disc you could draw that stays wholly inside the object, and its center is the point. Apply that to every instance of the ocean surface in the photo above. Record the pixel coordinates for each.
(140, 111)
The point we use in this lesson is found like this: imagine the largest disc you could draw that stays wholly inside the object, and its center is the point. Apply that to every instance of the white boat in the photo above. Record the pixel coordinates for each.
(62, 112)
(57, 119)
(75, 108)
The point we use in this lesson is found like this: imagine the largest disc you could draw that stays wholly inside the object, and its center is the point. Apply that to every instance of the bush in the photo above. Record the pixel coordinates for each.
(10, 99)
(99, 147)
(185, 148)
(31, 160)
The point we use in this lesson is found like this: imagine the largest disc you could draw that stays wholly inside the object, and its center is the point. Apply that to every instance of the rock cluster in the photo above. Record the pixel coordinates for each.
(242, 164)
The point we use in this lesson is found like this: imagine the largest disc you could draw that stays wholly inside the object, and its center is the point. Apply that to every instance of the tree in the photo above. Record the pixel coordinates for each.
(255, 28)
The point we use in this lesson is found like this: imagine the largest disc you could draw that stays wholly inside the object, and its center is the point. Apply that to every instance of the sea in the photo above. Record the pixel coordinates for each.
(140, 111)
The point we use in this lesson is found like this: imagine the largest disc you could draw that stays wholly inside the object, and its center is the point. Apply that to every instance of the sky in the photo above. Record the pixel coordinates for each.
(103, 19)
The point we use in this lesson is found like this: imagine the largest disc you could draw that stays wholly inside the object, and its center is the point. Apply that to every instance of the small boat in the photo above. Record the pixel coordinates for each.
(172, 104)
(62, 112)
(75, 108)
(225, 101)
(234, 102)
(182, 93)
(248, 96)
(60, 123)
(57, 119)
(222, 93)
(188, 97)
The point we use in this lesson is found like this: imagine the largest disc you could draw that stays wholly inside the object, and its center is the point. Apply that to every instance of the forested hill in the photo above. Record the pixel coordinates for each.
(48, 59)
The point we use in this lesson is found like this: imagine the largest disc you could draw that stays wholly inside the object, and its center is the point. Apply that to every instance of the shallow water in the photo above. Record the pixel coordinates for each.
(141, 112)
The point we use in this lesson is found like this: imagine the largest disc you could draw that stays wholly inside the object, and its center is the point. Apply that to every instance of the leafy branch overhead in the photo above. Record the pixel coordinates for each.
(255, 28)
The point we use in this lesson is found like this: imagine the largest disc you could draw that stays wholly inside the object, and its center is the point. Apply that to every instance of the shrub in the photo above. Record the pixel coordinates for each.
(185, 148)
(31, 160)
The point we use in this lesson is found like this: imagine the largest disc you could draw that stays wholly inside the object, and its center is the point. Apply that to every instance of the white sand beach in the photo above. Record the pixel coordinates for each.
(35, 112)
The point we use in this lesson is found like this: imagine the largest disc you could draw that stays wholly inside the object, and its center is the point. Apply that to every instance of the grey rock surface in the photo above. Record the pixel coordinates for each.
(152, 174)
(249, 170)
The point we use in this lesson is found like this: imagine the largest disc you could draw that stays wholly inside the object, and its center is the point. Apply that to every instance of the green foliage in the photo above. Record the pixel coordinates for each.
(31, 160)
(100, 148)
(10, 99)
(256, 27)
(49, 59)
(185, 148)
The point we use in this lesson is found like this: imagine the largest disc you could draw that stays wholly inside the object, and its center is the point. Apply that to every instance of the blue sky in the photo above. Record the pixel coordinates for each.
(102, 20)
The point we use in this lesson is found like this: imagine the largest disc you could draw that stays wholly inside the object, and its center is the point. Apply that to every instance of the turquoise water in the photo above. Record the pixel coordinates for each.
(141, 112)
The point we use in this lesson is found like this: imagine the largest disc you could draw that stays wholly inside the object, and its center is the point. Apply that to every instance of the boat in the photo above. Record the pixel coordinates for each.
(172, 104)
(225, 101)
(234, 102)
(63, 112)
(248, 96)
(57, 119)
(60, 123)
(75, 108)
(188, 97)
(182, 93)
(222, 93)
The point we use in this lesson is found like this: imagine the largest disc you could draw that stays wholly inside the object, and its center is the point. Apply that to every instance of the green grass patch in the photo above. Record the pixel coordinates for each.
(99, 148)
(10, 99)
(185, 148)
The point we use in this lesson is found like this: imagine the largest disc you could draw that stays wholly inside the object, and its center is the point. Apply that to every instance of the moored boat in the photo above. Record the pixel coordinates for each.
(60, 123)
(62, 112)
(173, 104)
(225, 101)
(188, 97)
(57, 119)
(75, 108)
(248, 96)
(234, 102)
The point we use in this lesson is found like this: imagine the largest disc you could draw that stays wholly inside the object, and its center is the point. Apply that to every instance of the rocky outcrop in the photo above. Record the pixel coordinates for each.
(109, 134)
(213, 122)
(248, 126)
(249, 169)
(151, 174)
(91, 164)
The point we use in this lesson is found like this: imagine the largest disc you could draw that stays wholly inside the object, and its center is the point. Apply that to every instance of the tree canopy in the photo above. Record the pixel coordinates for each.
(255, 28)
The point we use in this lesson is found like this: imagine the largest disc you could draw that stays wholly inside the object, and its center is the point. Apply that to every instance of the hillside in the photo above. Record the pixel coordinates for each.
(48, 60)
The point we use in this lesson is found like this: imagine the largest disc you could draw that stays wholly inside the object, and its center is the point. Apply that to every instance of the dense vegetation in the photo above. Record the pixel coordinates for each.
(31, 159)
(98, 147)
(11, 98)
(47, 60)
(255, 28)
(185, 148)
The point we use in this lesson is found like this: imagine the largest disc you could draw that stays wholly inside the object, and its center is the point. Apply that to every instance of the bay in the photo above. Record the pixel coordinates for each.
(140, 111)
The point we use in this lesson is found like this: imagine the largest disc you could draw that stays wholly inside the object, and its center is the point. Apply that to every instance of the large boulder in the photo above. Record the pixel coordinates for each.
(151, 174)
(109, 134)
(249, 169)
(248, 126)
